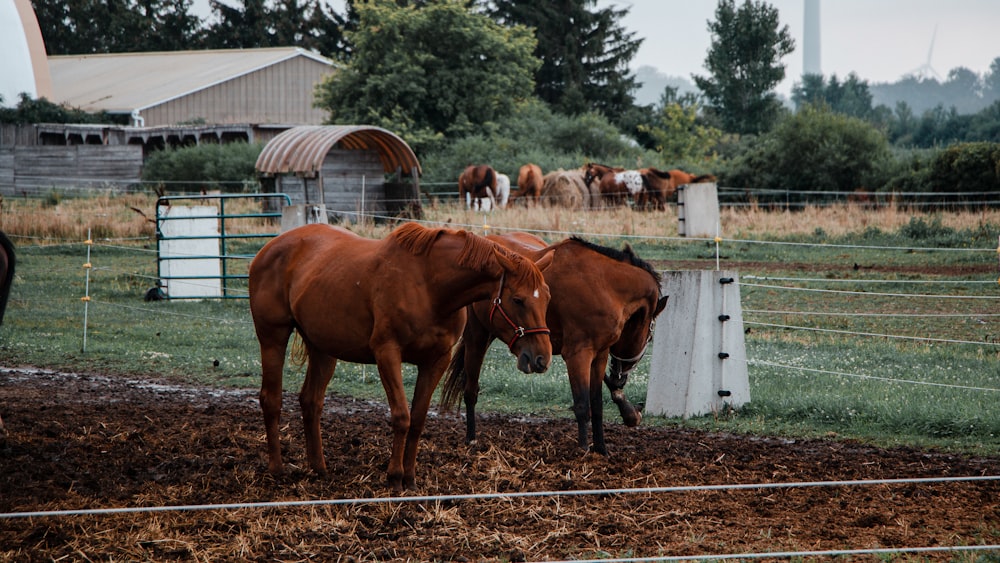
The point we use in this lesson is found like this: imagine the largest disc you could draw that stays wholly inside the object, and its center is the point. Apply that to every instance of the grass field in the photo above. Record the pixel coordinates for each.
(875, 324)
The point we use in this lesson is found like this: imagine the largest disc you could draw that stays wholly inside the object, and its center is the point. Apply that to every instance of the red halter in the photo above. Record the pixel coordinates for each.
(519, 331)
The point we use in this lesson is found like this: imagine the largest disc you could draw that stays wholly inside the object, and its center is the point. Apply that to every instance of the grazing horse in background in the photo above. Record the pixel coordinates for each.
(477, 182)
(8, 260)
(385, 302)
(492, 200)
(615, 184)
(604, 303)
(660, 186)
(529, 184)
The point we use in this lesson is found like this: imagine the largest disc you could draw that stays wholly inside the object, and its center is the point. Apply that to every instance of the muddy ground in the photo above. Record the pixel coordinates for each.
(90, 441)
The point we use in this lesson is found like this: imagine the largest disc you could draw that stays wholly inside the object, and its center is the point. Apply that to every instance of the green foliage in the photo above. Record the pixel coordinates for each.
(29, 111)
(116, 26)
(228, 167)
(429, 72)
(814, 150)
(967, 167)
(850, 97)
(677, 133)
(744, 63)
(533, 133)
(584, 53)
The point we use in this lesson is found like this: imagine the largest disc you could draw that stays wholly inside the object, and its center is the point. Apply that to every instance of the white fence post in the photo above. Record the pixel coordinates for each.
(698, 210)
(698, 365)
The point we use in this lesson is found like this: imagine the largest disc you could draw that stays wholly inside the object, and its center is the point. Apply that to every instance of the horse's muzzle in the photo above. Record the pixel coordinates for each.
(528, 364)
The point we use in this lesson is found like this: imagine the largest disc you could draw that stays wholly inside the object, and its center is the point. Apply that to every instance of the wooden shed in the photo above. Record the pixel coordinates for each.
(351, 169)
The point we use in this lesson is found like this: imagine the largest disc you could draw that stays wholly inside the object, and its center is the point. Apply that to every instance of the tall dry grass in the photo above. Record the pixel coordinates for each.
(130, 216)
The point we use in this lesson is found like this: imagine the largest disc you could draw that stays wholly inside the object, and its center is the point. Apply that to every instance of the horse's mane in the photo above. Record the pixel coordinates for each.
(478, 253)
(626, 254)
(703, 178)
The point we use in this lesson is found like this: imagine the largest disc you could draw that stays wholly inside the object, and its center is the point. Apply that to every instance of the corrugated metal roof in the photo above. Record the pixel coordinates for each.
(123, 82)
(301, 150)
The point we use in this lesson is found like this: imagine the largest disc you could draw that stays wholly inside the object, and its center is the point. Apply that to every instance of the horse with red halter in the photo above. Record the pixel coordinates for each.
(660, 186)
(529, 184)
(477, 182)
(604, 303)
(8, 260)
(385, 302)
(616, 184)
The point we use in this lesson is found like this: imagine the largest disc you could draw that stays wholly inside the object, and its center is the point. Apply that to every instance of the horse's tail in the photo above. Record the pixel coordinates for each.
(299, 354)
(453, 387)
(8, 276)
(489, 178)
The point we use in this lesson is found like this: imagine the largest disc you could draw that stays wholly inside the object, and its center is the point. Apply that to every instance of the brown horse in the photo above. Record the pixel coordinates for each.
(660, 186)
(477, 182)
(616, 184)
(400, 299)
(604, 303)
(7, 262)
(529, 184)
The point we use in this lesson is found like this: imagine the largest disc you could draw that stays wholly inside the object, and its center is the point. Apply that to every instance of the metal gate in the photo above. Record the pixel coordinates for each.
(202, 265)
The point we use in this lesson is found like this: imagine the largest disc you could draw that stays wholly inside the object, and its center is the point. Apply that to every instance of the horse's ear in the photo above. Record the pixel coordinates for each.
(660, 305)
(545, 261)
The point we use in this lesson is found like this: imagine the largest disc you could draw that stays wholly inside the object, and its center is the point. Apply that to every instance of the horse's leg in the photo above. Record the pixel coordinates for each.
(390, 371)
(273, 344)
(597, 367)
(578, 369)
(476, 340)
(311, 397)
(428, 377)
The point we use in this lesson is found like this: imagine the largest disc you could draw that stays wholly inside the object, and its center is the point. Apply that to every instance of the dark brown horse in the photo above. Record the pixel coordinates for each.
(604, 303)
(477, 182)
(7, 262)
(659, 186)
(529, 184)
(400, 299)
(616, 184)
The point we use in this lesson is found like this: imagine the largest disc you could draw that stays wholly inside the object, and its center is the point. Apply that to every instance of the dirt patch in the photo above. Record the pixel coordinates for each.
(91, 441)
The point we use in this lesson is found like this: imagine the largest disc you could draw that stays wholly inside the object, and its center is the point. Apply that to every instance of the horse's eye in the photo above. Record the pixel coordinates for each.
(519, 301)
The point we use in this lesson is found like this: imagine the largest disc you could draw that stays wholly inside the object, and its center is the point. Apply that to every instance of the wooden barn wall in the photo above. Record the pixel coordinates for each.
(342, 174)
(281, 93)
(37, 170)
(352, 178)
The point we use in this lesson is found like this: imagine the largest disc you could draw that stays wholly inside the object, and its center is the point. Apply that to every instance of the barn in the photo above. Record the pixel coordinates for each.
(223, 86)
(350, 169)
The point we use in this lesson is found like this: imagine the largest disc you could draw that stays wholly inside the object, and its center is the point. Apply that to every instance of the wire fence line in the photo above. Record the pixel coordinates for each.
(500, 496)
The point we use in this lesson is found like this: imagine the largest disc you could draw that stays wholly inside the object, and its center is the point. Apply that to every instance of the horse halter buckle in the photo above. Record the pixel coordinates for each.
(519, 331)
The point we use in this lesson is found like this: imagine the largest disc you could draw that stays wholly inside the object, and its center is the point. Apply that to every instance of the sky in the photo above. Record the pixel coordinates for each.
(879, 40)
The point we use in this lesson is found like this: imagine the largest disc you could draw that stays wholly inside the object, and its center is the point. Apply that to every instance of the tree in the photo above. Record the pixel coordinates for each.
(116, 26)
(744, 62)
(429, 72)
(850, 97)
(676, 132)
(585, 53)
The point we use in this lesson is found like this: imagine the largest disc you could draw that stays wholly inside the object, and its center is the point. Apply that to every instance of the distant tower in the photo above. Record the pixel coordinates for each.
(810, 51)
(24, 65)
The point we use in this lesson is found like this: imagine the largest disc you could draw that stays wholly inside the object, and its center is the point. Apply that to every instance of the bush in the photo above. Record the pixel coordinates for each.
(813, 150)
(229, 167)
(966, 167)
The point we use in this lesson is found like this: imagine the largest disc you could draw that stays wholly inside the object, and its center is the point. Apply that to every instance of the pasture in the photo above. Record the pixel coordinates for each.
(873, 346)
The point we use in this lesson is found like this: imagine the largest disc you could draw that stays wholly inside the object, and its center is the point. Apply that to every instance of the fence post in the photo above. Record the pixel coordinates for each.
(87, 266)
(697, 210)
(698, 365)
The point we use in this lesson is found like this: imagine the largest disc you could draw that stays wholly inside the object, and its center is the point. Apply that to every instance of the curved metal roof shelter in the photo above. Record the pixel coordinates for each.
(301, 150)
